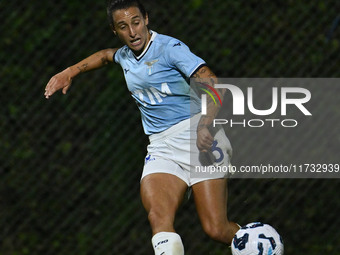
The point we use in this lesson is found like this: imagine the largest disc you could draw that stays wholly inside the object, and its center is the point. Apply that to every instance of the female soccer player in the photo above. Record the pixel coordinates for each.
(156, 69)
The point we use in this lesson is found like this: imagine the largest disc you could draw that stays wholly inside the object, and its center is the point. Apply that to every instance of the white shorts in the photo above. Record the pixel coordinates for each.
(174, 151)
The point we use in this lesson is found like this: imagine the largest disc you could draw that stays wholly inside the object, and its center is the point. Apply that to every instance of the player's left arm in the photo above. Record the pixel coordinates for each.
(204, 137)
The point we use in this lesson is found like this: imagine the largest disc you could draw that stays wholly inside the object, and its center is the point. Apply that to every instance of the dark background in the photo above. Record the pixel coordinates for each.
(70, 166)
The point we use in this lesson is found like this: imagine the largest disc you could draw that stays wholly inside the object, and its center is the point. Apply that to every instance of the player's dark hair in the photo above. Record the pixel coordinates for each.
(114, 5)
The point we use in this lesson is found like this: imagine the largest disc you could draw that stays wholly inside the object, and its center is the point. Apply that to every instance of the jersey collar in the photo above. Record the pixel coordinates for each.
(153, 35)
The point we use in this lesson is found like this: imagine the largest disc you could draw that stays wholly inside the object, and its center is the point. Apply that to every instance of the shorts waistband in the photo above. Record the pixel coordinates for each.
(180, 126)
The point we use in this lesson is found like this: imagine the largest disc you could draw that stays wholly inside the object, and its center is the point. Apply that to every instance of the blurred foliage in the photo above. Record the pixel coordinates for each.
(70, 166)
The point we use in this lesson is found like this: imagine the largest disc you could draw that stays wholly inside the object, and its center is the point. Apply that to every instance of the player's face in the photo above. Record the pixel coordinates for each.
(131, 28)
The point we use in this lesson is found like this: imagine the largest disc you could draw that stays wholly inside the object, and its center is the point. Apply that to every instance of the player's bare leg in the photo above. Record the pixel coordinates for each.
(161, 196)
(211, 203)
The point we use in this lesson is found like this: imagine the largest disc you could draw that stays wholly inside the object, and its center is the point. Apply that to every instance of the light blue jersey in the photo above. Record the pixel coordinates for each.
(157, 80)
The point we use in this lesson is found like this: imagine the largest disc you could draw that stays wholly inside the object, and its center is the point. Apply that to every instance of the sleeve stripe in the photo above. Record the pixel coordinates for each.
(197, 68)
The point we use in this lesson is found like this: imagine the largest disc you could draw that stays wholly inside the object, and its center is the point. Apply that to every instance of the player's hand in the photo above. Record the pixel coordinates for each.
(204, 139)
(59, 81)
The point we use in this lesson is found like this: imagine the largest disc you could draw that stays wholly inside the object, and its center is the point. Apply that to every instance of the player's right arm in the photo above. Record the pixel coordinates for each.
(63, 79)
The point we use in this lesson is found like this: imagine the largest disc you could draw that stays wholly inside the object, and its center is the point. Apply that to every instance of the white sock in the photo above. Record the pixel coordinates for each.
(167, 243)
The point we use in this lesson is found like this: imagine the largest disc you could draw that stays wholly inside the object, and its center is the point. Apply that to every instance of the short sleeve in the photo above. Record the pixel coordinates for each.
(180, 56)
(114, 57)
(120, 55)
(117, 55)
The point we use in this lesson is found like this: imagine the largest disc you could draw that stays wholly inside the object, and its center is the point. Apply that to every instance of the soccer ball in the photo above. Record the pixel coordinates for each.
(257, 239)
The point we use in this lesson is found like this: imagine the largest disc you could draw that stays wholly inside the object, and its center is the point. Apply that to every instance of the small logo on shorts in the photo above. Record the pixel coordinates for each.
(148, 158)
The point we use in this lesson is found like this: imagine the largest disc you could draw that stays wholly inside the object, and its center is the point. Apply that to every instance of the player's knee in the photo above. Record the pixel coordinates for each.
(217, 231)
(214, 231)
(159, 218)
(154, 217)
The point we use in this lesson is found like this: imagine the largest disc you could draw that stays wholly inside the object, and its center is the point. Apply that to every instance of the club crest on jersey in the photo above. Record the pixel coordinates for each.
(150, 65)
